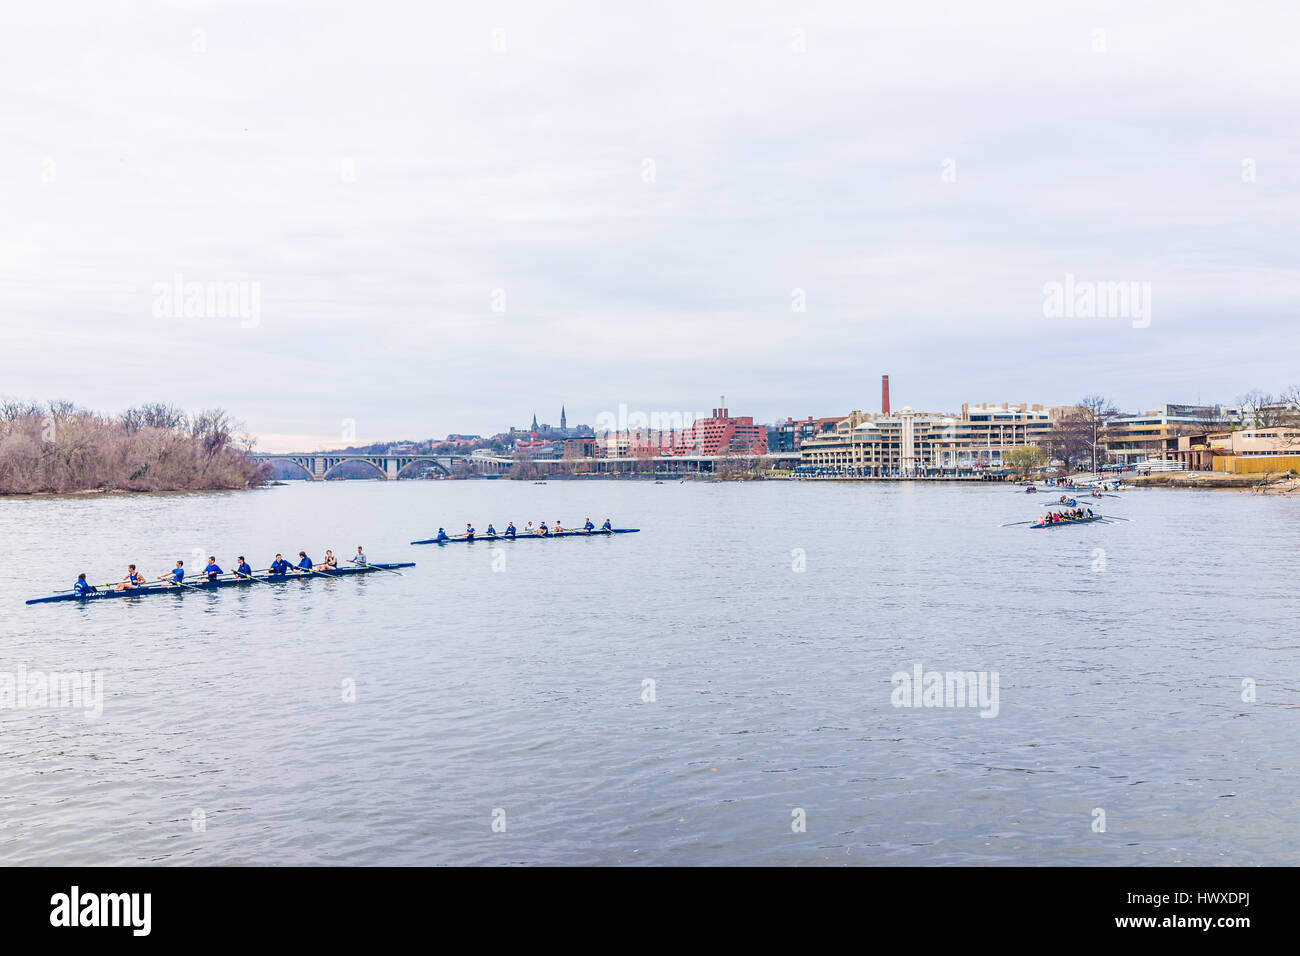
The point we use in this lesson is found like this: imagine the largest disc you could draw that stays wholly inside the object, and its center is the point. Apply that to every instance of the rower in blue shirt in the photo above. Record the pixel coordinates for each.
(304, 562)
(213, 570)
(510, 530)
(442, 536)
(588, 526)
(607, 526)
(491, 531)
(81, 588)
(279, 566)
(243, 570)
(133, 579)
(543, 530)
(469, 532)
(177, 574)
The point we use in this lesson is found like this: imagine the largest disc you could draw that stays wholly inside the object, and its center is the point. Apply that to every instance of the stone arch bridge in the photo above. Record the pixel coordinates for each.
(318, 465)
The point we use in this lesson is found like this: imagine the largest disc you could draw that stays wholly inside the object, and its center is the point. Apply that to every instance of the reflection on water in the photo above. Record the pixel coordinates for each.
(666, 697)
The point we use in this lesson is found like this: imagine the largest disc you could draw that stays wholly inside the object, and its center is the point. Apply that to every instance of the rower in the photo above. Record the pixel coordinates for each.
(589, 527)
(469, 532)
(607, 526)
(360, 559)
(132, 579)
(558, 529)
(212, 570)
(177, 574)
(82, 587)
(242, 570)
(510, 530)
(442, 535)
(528, 529)
(543, 531)
(491, 531)
(279, 567)
(329, 561)
(304, 562)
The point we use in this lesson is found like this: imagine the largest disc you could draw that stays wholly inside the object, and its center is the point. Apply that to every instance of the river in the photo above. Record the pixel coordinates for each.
(716, 689)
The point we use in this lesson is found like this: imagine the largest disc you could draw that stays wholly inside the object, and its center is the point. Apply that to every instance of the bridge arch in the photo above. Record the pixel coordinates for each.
(350, 461)
(407, 463)
(306, 470)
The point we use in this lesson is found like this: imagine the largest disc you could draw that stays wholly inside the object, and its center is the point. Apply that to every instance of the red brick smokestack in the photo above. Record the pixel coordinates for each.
(884, 395)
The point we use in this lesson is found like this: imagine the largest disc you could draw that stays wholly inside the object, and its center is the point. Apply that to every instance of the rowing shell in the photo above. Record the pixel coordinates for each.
(461, 539)
(201, 585)
(1057, 524)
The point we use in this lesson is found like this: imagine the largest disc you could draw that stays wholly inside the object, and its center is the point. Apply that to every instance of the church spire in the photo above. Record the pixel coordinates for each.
(534, 423)
(563, 421)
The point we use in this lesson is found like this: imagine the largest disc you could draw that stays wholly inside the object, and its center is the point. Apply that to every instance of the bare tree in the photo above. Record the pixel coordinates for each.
(1095, 413)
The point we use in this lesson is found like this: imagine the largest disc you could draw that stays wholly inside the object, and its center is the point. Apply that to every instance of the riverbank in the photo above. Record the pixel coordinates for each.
(1267, 483)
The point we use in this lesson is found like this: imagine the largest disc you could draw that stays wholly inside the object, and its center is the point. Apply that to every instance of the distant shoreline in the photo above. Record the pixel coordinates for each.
(106, 492)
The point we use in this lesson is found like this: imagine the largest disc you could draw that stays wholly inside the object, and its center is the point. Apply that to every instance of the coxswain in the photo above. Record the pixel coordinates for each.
(510, 530)
(469, 532)
(82, 588)
(279, 567)
(360, 558)
(607, 526)
(176, 575)
(213, 570)
(133, 579)
(329, 561)
(242, 570)
(588, 527)
(442, 536)
(491, 531)
(304, 563)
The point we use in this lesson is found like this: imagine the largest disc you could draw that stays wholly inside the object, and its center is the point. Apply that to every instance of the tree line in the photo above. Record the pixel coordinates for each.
(59, 447)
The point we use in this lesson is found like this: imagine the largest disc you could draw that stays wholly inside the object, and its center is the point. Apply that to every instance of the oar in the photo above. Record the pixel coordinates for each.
(1014, 523)
(373, 567)
(250, 577)
(312, 570)
(182, 584)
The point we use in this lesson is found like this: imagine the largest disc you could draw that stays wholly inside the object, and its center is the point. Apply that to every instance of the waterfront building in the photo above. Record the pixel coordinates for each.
(789, 436)
(1245, 450)
(721, 434)
(580, 447)
(910, 444)
(1133, 438)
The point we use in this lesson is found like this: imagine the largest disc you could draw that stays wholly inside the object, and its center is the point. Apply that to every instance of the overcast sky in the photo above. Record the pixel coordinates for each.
(458, 215)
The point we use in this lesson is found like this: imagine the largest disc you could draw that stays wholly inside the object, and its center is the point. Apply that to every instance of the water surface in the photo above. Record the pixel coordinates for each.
(512, 680)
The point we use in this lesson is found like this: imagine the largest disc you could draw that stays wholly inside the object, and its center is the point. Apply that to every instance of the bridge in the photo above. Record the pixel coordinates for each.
(317, 465)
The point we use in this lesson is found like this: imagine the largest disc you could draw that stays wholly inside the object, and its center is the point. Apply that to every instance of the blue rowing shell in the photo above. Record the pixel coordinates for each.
(201, 585)
(461, 539)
